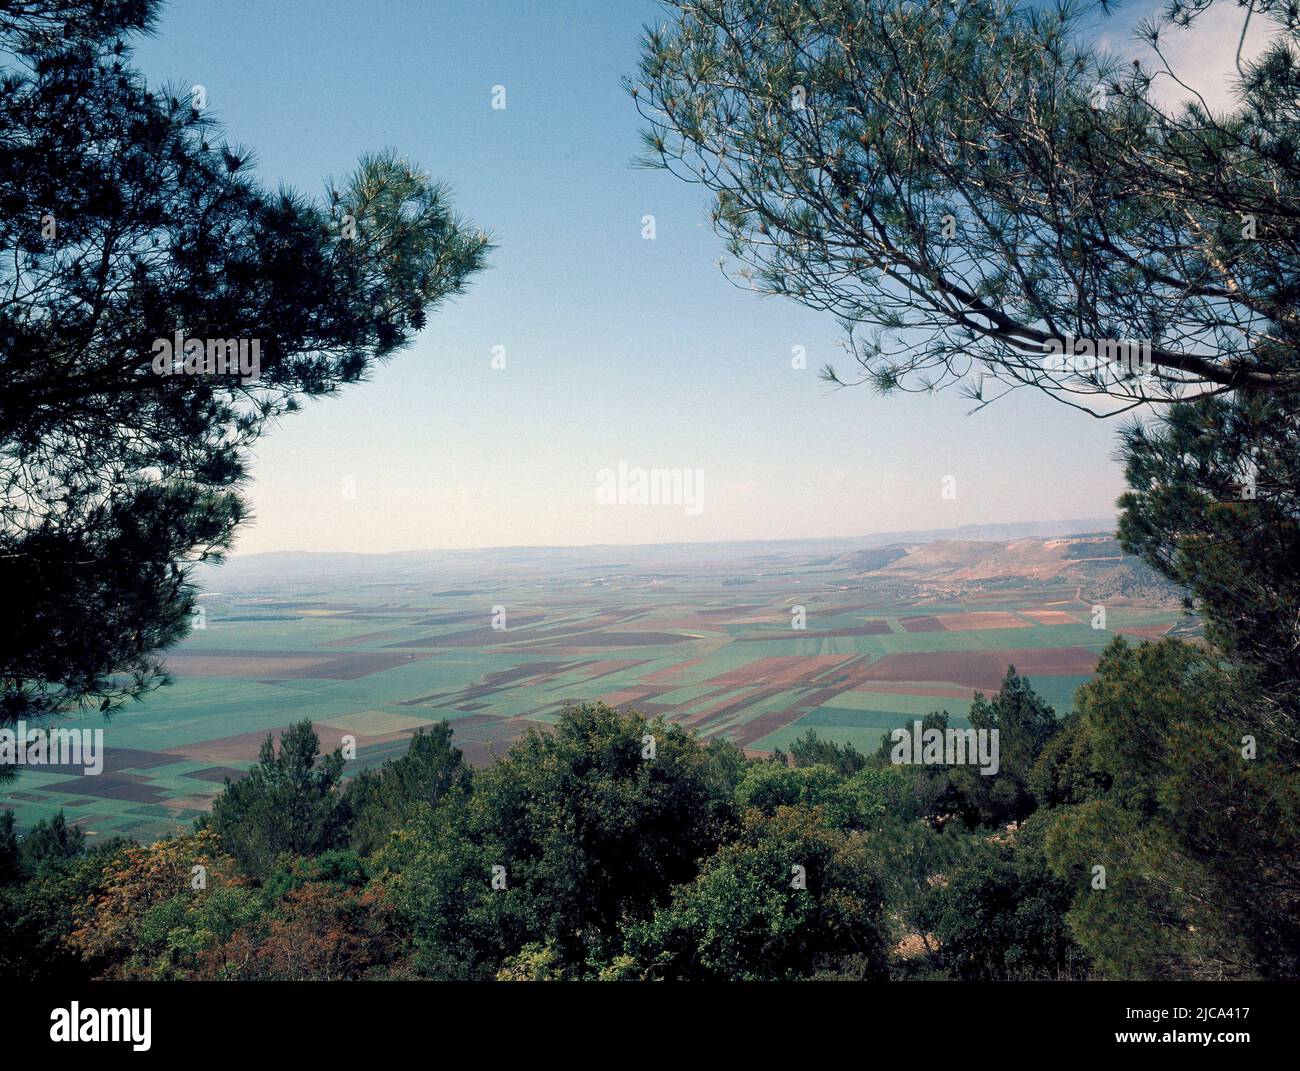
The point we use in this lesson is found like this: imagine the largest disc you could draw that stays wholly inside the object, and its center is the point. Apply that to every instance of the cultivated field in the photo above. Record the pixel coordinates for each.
(375, 647)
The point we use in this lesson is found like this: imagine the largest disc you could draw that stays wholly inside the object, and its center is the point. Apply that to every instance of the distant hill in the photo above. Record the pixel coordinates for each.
(1094, 562)
(244, 571)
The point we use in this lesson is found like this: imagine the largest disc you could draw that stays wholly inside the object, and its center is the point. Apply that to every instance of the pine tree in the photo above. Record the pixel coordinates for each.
(126, 220)
(971, 185)
(288, 804)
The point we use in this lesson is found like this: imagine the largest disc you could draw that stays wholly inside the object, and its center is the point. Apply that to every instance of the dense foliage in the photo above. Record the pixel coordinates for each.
(127, 220)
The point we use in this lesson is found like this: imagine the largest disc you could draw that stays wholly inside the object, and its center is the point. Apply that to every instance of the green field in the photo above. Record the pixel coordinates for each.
(703, 637)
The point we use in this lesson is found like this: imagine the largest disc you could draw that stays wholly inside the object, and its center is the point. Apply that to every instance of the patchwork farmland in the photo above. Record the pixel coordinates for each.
(498, 641)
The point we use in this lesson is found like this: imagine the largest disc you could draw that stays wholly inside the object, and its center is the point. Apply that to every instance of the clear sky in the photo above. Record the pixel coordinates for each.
(616, 348)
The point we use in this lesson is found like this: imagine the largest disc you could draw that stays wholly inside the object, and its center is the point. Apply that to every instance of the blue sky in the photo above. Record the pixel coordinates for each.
(617, 348)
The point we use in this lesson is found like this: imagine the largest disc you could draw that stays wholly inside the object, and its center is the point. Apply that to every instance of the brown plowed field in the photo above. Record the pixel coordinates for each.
(982, 669)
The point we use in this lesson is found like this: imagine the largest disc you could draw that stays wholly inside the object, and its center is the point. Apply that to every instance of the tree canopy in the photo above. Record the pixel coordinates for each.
(287, 804)
(970, 186)
(132, 223)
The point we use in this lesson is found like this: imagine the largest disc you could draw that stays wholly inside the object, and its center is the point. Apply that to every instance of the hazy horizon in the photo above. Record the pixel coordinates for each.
(1064, 524)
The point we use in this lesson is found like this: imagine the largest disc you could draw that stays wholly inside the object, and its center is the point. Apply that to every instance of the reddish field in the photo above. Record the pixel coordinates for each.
(239, 664)
(631, 696)
(1051, 617)
(871, 628)
(1145, 632)
(349, 667)
(264, 665)
(670, 674)
(244, 747)
(982, 669)
(780, 669)
(981, 619)
(484, 738)
(766, 723)
(611, 639)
